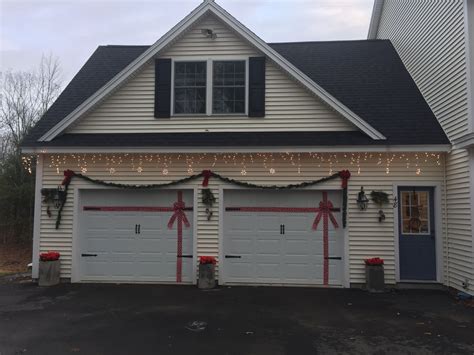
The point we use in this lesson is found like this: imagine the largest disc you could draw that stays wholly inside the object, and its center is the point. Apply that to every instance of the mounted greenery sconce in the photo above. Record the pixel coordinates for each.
(362, 200)
(208, 200)
(380, 198)
(54, 196)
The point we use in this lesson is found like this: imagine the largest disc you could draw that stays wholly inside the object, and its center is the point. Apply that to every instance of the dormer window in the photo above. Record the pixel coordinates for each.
(210, 86)
(190, 87)
(228, 87)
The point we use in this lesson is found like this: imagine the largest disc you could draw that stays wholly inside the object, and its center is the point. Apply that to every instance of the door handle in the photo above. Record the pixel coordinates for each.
(136, 228)
(333, 258)
(139, 226)
(233, 256)
(184, 256)
(86, 255)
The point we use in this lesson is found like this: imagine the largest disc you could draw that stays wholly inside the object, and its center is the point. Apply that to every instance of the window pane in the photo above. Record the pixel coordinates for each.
(180, 68)
(190, 87)
(415, 213)
(240, 94)
(228, 87)
(239, 106)
(201, 94)
(179, 107)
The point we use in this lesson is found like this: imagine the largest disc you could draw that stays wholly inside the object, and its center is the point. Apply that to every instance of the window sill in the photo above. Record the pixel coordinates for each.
(224, 116)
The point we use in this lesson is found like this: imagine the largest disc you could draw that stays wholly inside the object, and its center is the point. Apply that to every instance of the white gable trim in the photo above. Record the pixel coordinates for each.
(205, 7)
(375, 19)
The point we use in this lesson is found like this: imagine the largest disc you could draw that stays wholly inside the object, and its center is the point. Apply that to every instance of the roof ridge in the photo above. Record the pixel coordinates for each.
(333, 41)
(124, 45)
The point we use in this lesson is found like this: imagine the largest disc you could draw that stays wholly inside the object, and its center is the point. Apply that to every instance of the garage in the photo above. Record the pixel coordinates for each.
(135, 236)
(283, 237)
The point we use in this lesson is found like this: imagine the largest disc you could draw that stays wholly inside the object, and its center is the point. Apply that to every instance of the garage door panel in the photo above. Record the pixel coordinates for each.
(97, 245)
(267, 245)
(239, 268)
(296, 223)
(96, 268)
(123, 254)
(242, 222)
(294, 255)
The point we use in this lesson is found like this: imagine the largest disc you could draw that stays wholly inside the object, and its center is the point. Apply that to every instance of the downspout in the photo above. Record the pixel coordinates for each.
(446, 224)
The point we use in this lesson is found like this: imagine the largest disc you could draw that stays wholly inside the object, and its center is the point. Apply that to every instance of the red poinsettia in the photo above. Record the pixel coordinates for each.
(373, 261)
(50, 256)
(207, 260)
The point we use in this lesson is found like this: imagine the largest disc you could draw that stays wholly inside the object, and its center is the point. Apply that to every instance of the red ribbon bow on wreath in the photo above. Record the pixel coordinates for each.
(325, 208)
(178, 208)
(345, 175)
(206, 174)
(68, 174)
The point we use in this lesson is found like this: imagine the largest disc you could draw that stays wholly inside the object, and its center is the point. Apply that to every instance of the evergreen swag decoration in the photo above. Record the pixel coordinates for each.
(207, 174)
(48, 199)
(208, 197)
(380, 198)
(208, 200)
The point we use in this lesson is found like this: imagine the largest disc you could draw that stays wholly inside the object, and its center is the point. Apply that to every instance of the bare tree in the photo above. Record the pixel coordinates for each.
(25, 97)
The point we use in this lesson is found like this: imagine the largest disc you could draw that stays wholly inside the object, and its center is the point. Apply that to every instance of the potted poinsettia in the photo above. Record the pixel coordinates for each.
(49, 268)
(207, 272)
(374, 275)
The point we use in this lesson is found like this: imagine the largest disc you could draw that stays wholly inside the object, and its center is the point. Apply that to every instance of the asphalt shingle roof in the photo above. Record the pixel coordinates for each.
(367, 76)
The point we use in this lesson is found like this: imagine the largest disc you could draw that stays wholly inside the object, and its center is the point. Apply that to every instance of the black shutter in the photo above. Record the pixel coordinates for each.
(162, 88)
(256, 86)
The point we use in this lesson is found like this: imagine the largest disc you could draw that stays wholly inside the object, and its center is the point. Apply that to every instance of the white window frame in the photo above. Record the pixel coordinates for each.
(209, 85)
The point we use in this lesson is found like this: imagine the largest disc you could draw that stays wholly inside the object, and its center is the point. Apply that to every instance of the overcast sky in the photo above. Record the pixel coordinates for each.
(72, 29)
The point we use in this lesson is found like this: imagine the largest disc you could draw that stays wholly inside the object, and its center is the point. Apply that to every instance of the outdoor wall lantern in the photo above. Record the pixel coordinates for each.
(59, 196)
(362, 200)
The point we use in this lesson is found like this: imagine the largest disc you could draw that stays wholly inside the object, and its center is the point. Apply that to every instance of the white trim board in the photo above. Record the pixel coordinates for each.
(442, 148)
(37, 218)
(375, 19)
(205, 8)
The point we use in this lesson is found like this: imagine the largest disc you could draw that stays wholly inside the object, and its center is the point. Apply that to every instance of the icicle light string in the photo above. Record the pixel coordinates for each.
(245, 163)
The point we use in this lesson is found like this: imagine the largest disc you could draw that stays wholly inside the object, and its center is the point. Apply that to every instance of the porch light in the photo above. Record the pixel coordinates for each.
(362, 200)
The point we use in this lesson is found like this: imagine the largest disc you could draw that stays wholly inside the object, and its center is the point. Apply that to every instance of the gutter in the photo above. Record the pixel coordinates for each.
(440, 148)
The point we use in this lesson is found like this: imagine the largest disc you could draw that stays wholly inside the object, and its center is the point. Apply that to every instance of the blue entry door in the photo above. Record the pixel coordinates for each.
(417, 244)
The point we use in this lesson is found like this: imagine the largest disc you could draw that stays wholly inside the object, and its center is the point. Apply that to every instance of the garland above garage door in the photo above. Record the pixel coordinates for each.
(206, 175)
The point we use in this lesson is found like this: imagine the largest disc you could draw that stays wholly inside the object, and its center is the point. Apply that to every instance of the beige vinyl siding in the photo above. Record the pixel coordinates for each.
(289, 107)
(430, 39)
(367, 237)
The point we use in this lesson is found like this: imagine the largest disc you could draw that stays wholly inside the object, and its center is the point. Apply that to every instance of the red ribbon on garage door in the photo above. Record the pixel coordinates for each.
(179, 215)
(324, 212)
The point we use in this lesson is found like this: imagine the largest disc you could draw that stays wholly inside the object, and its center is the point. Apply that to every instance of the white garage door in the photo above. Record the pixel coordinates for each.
(283, 237)
(132, 236)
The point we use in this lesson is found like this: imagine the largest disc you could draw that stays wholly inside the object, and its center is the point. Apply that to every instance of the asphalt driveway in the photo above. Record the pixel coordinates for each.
(153, 319)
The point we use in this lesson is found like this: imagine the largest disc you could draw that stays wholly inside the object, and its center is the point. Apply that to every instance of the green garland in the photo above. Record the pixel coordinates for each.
(379, 197)
(69, 174)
